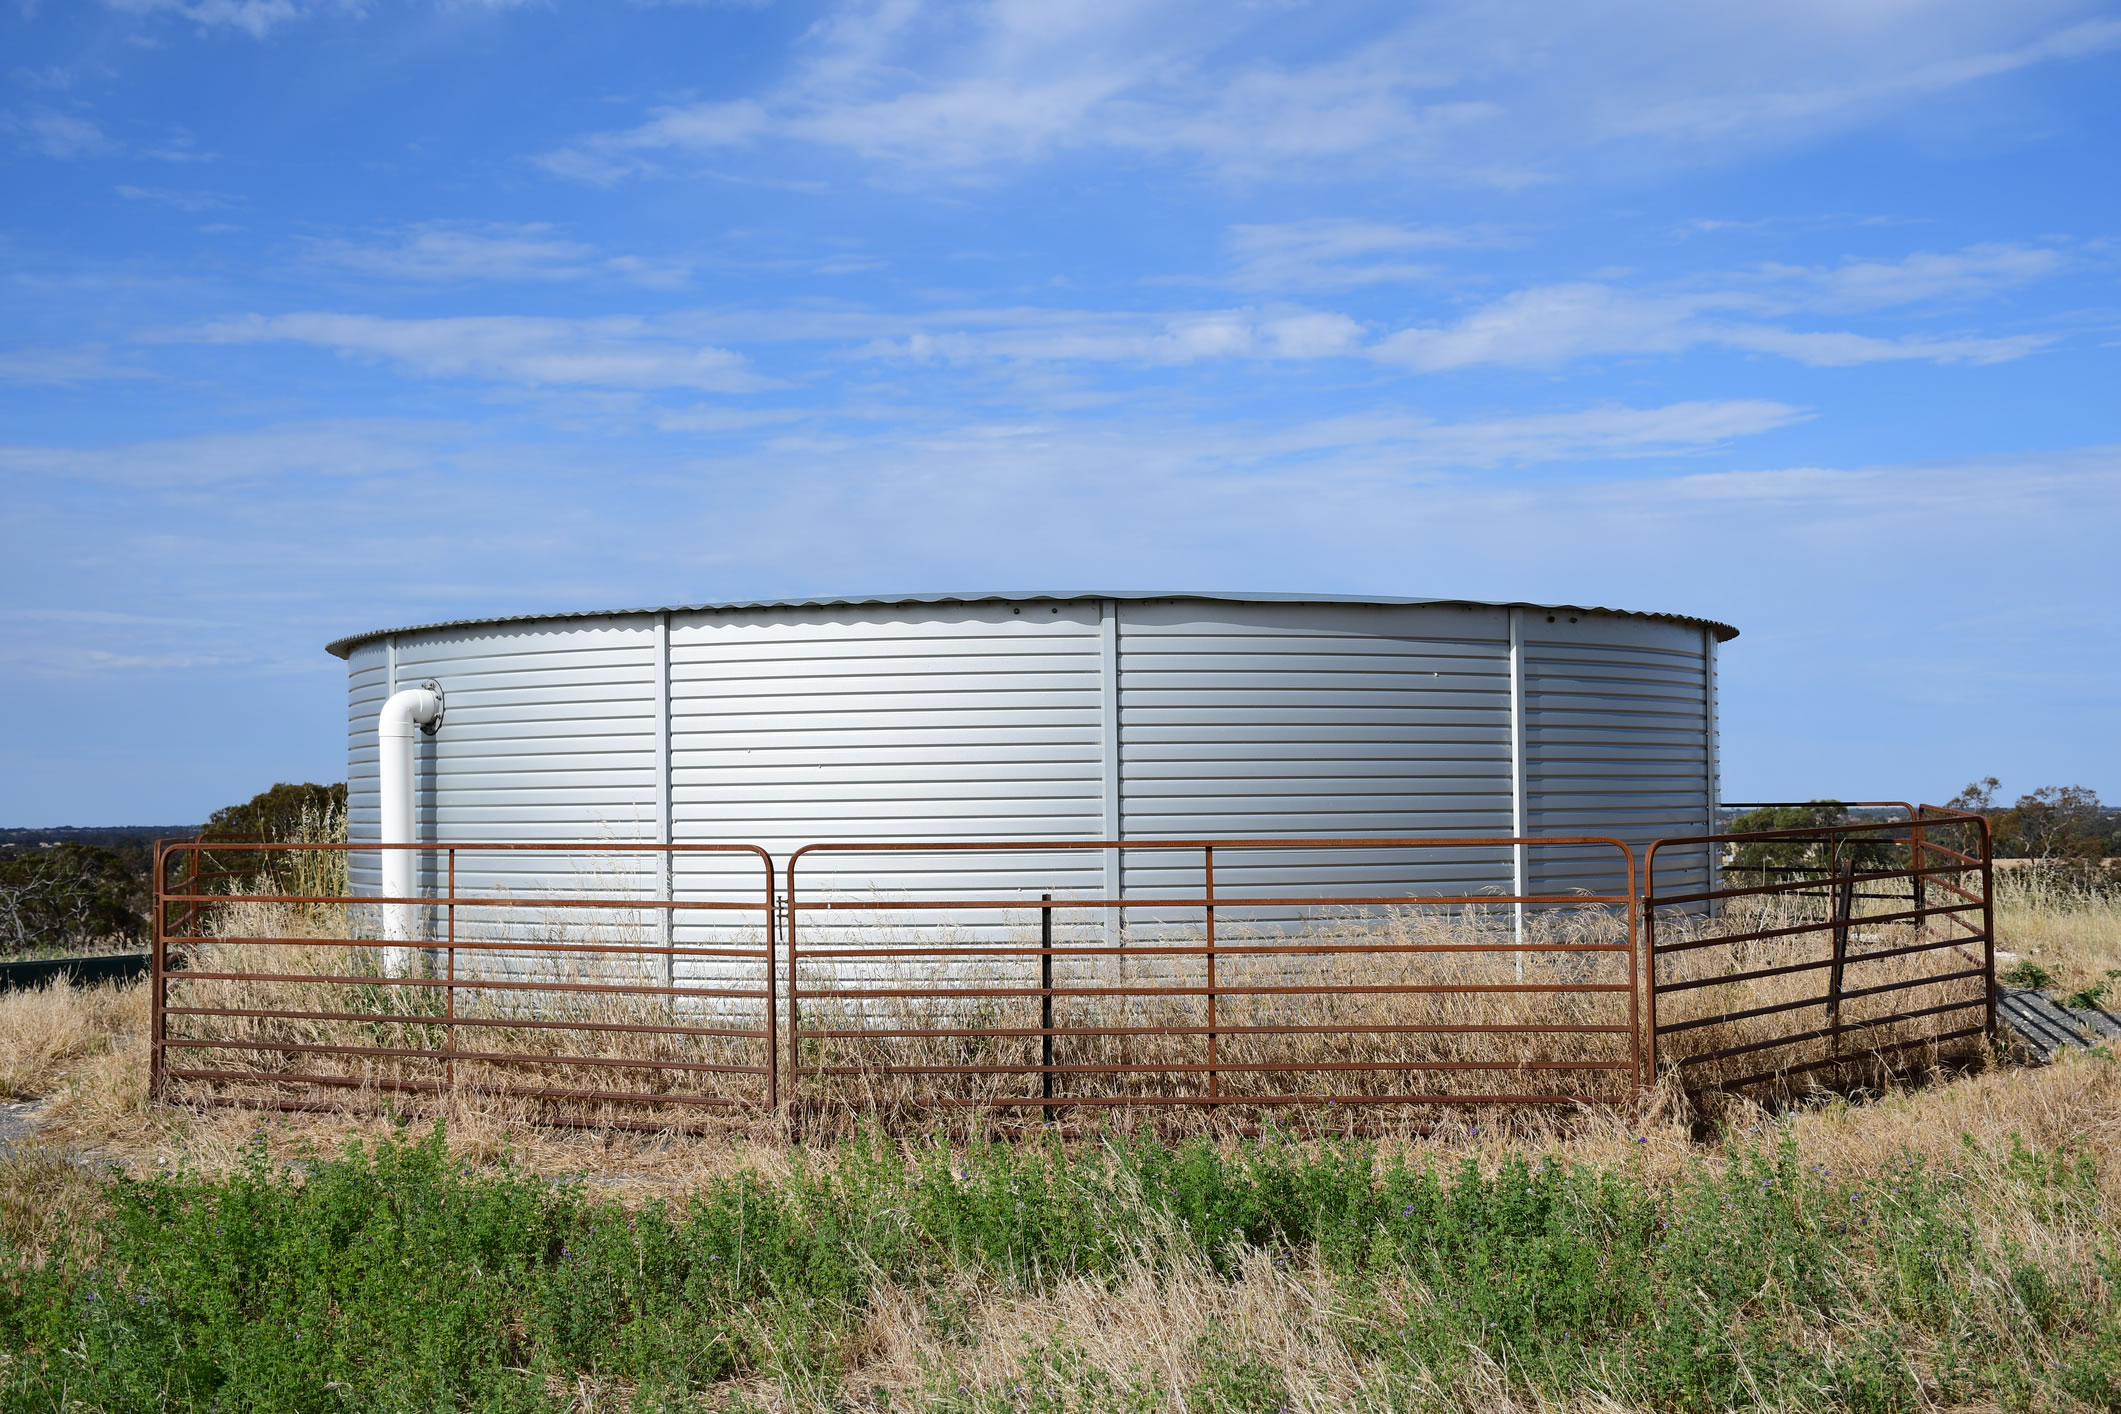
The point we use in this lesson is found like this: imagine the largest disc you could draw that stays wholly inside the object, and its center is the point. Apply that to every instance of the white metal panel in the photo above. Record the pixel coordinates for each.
(367, 685)
(956, 722)
(1320, 721)
(960, 723)
(549, 735)
(1616, 741)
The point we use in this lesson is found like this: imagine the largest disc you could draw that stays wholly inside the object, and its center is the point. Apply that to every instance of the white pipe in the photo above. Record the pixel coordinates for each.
(407, 712)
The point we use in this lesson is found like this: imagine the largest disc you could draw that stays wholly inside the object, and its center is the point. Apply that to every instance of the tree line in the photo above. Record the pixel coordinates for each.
(73, 895)
(2063, 829)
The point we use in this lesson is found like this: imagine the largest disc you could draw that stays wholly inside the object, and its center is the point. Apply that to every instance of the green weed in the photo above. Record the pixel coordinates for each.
(396, 1278)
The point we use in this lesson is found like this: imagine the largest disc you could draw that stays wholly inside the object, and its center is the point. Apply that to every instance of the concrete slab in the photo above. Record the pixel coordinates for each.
(2046, 1028)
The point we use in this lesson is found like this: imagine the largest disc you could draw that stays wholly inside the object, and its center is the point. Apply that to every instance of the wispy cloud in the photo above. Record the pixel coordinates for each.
(623, 353)
(63, 136)
(1328, 254)
(453, 252)
(1489, 90)
(1779, 312)
(181, 200)
(254, 17)
(1083, 336)
(1550, 325)
(372, 448)
(1976, 272)
(1590, 434)
(50, 368)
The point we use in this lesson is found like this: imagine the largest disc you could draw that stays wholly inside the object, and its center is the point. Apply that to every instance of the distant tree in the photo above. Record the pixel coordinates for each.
(280, 815)
(1804, 857)
(1979, 797)
(307, 813)
(69, 897)
(2054, 823)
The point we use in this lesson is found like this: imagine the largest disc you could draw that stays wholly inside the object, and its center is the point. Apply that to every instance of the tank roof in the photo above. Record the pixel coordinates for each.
(341, 647)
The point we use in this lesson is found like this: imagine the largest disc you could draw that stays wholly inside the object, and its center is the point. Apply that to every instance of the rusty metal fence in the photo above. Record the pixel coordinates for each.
(649, 983)
(1859, 940)
(574, 988)
(1194, 990)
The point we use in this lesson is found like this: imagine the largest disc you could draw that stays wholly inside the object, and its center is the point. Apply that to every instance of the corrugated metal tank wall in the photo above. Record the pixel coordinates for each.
(1315, 721)
(1068, 718)
(1617, 741)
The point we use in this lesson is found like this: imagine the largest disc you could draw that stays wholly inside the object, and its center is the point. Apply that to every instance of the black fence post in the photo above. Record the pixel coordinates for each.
(1844, 905)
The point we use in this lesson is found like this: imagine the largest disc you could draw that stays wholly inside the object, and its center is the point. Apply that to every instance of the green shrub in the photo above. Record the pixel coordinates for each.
(2027, 973)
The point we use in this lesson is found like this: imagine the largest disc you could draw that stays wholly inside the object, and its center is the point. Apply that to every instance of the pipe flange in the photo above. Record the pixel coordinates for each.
(434, 723)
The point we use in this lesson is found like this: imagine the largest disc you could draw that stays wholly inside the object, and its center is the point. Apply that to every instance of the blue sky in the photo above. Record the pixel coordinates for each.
(324, 316)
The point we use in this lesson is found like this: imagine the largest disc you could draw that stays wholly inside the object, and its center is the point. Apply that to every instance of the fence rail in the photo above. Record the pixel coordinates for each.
(1851, 899)
(565, 1002)
(1272, 998)
(1221, 975)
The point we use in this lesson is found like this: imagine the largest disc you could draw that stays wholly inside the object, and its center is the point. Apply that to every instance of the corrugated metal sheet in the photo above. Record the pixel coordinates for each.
(550, 734)
(963, 719)
(1616, 740)
(1317, 721)
(367, 685)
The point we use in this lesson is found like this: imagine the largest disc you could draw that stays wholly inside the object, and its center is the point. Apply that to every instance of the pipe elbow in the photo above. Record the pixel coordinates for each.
(412, 707)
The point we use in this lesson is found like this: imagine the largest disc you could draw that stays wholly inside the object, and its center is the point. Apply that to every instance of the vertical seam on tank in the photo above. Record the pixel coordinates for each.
(1712, 785)
(666, 861)
(1518, 863)
(1113, 821)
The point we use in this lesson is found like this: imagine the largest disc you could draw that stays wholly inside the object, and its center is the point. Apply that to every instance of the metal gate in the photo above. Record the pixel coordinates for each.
(1846, 943)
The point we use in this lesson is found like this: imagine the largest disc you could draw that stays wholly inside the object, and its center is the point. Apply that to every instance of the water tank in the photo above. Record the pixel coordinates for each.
(1061, 716)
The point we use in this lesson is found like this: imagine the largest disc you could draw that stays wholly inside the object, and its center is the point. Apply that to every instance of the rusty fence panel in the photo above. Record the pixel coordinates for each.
(569, 981)
(1203, 981)
(1844, 943)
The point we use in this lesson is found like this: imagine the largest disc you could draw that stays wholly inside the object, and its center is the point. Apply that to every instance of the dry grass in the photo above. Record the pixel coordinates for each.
(45, 1031)
(2072, 932)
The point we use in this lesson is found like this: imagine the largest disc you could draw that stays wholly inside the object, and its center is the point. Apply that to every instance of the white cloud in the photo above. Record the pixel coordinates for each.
(624, 353)
(1836, 350)
(1328, 254)
(1550, 325)
(62, 367)
(182, 200)
(453, 252)
(1925, 67)
(369, 448)
(704, 127)
(1494, 90)
(254, 17)
(1530, 439)
(58, 135)
(446, 252)
(1972, 273)
(1072, 336)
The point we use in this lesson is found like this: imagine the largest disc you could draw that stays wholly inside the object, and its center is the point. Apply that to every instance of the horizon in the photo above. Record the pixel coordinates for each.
(327, 315)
